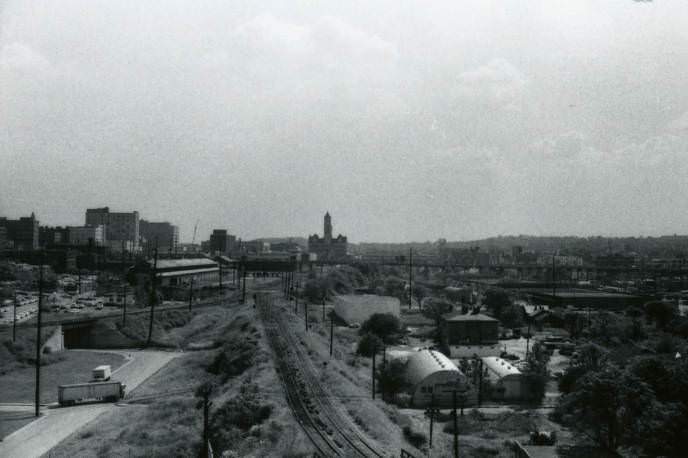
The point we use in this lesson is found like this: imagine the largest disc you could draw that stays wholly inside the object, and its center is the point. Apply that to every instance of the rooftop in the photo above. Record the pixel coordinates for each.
(423, 363)
(458, 316)
(500, 367)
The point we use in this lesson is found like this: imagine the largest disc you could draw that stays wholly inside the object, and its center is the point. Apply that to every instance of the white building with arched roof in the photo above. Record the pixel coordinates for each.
(433, 378)
(505, 377)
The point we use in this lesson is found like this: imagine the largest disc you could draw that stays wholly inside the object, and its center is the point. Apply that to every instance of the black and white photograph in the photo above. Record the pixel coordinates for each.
(353, 228)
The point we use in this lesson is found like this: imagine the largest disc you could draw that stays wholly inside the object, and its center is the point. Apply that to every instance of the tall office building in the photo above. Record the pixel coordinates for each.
(22, 233)
(121, 228)
(166, 234)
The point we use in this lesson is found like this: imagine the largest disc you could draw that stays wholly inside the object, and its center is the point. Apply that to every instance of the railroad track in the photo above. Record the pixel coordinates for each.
(329, 431)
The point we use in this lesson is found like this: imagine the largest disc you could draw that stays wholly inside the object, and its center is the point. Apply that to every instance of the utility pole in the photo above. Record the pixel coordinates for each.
(220, 264)
(191, 292)
(243, 291)
(456, 426)
(527, 337)
(154, 294)
(480, 382)
(204, 391)
(331, 332)
(78, 274)
(323, 308)
(432, 414)
(38, 339)
(554, 280)
(124, 287)
(410, 301)
(295, 293)
(374, 353)
(14, 318)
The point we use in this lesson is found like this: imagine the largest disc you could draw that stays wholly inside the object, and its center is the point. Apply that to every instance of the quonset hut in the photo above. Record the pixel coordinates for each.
(434, 378)
(506, 378)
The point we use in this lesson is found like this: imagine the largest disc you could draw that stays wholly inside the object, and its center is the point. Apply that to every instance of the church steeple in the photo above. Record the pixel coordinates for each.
(328, 227)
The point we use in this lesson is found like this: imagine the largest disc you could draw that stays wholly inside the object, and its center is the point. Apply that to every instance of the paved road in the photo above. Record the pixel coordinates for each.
(38, 437)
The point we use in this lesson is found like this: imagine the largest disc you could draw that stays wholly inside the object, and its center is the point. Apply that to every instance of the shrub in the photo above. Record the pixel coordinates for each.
(415, 438)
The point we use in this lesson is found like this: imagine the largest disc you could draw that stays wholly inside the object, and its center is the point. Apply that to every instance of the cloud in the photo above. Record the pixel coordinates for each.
(496, 82)
(19, 56)
(563, 146)
(680, 123)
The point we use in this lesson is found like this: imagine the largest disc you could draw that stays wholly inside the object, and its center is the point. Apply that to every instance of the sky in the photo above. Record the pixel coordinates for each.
(407, 121)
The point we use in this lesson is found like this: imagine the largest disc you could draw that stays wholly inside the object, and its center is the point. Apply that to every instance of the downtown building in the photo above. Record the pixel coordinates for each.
(328, 248)
(21, 234)
(164, 234)
(221, 242)
(87, 235)
(121, 228)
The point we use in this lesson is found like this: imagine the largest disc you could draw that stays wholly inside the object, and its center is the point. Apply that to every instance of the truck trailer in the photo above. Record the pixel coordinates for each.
(99, 391)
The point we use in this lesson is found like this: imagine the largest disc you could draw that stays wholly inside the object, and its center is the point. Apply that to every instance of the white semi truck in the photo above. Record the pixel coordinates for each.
(98, 391)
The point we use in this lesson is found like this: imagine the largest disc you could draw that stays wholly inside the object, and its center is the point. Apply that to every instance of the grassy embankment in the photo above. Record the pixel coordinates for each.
(249, 415)
(17, 366)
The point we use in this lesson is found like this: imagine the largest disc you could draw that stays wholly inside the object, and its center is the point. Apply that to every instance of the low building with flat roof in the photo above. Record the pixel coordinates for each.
(469, 329)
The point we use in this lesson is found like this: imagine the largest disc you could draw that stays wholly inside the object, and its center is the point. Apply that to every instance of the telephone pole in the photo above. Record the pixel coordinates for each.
(410, 301)
(191, 292)
(243, 291)
(432, 414)
(456, 426)
(154, 294)
(124, 287)
(38, 339)
(374, 353)
(331, 332)
(14, 317)
(220, 265)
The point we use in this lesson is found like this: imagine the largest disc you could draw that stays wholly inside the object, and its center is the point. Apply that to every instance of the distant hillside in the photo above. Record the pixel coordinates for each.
(664, 246)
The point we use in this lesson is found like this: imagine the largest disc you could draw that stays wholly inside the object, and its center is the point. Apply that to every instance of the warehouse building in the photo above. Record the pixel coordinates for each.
(469, 329)
(506, 379)
(354, 308)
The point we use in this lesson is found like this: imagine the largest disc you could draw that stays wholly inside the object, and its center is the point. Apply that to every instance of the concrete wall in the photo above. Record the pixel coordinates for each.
(55, 342)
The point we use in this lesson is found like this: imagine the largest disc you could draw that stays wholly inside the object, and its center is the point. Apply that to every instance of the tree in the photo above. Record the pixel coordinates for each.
(660, 312)
(588, 358)
(434, 308)
(607, 405)
(392, 378)
(497, 300)
(574, 323)
(368, 345)
(419, 292)
(512, 316)
(314, 290)
(536, 375)
(383, 325)
(395, 286)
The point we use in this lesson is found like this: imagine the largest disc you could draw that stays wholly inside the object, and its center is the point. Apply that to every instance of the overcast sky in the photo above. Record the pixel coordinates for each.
(406, 120)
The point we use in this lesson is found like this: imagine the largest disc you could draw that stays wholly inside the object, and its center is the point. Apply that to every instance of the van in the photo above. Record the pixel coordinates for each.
(101, 373)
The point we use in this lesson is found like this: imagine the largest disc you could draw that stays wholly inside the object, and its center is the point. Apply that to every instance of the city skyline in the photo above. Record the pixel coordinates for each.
(413, 122)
